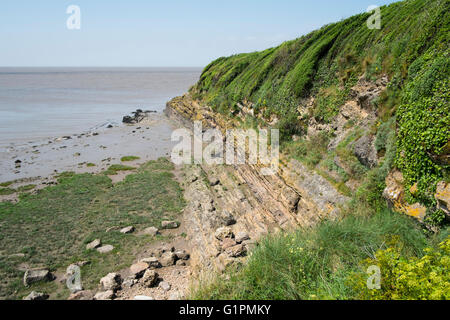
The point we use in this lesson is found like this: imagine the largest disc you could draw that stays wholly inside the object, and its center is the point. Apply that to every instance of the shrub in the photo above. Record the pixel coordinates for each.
(425, 278)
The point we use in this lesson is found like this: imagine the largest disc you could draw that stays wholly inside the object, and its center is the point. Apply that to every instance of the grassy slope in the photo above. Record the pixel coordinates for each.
(413, 131)
(53, 227)
(412, 48)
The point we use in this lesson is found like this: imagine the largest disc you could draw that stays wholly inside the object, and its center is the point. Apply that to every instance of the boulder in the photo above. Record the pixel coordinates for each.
(152, 231)
(36, 275)
(94, 244)
(105, 249)
(223, 232)
(81, 295)
(126, 230)
(227, 243)
(169, 224)
(182, 254)
(36, 296)
(236, 251)
(180, 263)
(165, 285)
(152, 262)
(168, 259)
(242, 236)
(104, 295)
(138, 269)
(111, 282)
(364, 150)
(149, 278)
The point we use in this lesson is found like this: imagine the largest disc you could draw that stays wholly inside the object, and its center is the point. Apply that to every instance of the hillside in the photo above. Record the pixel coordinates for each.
(364, 117)
(411, 50)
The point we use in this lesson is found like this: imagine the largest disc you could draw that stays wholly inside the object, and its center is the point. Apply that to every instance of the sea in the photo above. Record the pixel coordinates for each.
(37, 103)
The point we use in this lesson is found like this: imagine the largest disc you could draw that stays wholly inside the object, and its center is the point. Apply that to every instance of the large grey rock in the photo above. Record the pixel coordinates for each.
(36, 275)
(168, 259)
(111, 281)
(36, 296)
(236, 251)
(94, 244)
(149, 278)
(365, 151)
(105, 249)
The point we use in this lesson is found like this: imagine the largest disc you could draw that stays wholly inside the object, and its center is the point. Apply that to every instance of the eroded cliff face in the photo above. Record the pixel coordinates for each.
(239, 200)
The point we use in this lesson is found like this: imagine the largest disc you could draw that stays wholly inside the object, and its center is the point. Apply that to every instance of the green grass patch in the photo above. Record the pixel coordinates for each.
(53, 226)
(315, 263)
(26, 188)
(129, 158)
(115, 168)
(7, 191)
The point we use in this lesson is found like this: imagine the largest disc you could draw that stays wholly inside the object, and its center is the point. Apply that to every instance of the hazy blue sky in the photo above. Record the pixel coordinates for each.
(157, 33)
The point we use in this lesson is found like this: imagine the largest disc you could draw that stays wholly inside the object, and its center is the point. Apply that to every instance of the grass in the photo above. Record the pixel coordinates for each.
(6, 184)
(53, 226)
(6, 191)
(115, 168)
(90, 165)
(26, 188)
(129, 158)
(314, 263)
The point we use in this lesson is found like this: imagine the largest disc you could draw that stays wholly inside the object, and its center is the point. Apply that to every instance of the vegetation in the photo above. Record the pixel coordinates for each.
(115, 168)
(412, 133)
(426, 278)
(129, 158)
(52, 227)
(317, 263)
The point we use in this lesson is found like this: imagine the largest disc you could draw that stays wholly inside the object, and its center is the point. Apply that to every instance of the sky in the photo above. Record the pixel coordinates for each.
(162, 33)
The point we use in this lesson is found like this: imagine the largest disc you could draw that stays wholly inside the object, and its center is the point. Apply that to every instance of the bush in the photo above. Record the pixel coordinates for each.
(425, 278)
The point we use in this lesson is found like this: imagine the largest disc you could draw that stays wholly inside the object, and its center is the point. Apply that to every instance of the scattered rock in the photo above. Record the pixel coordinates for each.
(165, 285)
(152, 262)
(111, 282)
(167, 259)
(242, 236)
(106, 295)
(94, 244)
(152, 231)
(149, 278)
(126, 230)
(236, 251)
(365, 151)
(214, 181)
(228, 243)
(36, 275)
(182, 254)
(249, 244)
(228, 218)
(223, 232)
(180, 263)
(36, 296)
(442, 197)
(138, 269)
(81, 295)
(105, 249)
(138, 116)
(169, 224)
